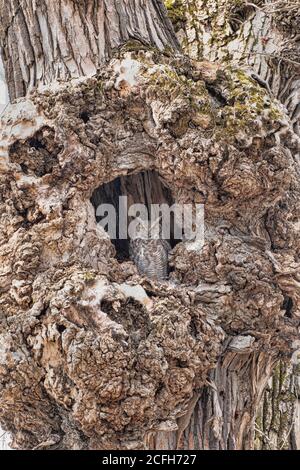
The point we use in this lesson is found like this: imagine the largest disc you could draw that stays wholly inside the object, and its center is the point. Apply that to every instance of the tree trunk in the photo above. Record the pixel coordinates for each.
(44, 41)
(224, 416)
(278, 421)
(94, 356)
(261, 36)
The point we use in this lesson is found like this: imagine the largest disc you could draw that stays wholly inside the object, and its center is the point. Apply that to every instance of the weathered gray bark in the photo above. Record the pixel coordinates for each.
(43, 41)
(224, 417)
(92, 355)
(278, 421)
(262, 37)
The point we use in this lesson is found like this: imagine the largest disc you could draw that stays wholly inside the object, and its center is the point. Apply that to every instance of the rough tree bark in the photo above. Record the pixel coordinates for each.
(92, 355)
(43, 41)
(262, 35)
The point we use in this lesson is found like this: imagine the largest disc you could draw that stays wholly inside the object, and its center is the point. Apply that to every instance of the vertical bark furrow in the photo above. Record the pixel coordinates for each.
(249, 36)
(194, 352)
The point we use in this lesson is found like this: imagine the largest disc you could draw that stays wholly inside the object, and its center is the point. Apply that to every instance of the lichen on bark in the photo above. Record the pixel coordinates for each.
(277, 423)
(101, 366)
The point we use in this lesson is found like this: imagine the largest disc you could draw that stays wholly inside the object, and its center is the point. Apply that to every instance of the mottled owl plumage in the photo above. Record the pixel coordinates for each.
(148, 251)
(150, 257)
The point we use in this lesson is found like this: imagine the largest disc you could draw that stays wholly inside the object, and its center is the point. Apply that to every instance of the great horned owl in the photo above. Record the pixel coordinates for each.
(150, 255)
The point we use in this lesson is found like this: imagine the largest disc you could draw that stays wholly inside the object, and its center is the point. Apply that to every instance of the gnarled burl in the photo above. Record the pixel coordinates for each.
(94, 356)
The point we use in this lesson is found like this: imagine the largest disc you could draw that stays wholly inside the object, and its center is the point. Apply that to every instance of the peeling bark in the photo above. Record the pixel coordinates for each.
(278, 421)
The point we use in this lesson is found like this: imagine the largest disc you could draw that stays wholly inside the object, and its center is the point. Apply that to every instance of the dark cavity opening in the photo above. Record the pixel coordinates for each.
(142, 188)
